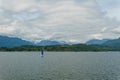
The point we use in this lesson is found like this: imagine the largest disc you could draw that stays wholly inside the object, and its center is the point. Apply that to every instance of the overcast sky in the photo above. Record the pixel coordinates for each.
(63, 20)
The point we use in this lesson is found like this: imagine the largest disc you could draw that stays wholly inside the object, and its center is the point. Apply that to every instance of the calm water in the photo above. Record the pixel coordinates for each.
(60, 66)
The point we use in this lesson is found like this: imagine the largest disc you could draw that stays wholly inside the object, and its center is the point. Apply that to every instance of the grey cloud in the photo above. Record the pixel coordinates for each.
(65, 20)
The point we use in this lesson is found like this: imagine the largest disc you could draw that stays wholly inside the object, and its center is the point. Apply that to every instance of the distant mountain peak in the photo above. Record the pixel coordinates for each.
(96, 41)
(6, 41)
(112, 43)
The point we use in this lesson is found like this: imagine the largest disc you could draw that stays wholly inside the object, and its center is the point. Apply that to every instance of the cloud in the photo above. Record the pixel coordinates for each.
(97, 36)
(64, 20)
(116, 30)
(112, 7)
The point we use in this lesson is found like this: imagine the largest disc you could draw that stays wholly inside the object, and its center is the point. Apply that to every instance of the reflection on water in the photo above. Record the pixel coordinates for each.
(60, 66)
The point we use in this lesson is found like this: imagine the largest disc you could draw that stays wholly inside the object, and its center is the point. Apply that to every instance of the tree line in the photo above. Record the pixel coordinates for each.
(75, 47)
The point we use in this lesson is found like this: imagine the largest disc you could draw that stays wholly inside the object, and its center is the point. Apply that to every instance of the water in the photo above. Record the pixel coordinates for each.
(60, 66)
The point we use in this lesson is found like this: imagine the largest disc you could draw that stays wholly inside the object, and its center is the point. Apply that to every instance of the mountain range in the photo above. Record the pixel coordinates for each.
(113, 43)
(6, 41)
(97, 41)
(49, 42)
(104, 42)
(14, 42)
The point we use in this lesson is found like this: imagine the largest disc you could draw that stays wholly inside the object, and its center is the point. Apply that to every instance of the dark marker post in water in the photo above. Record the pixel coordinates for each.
(42, 53)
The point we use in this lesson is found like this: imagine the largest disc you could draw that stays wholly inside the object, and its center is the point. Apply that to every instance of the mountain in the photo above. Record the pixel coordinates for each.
(49, 42)
(96, 41)
(12, 42)
(113, 43)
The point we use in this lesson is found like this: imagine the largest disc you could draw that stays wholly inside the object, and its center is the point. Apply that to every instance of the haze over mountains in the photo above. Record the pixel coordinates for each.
(13, 42)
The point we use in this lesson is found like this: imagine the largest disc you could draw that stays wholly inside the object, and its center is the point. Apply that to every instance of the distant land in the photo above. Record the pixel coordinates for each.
(17, 44)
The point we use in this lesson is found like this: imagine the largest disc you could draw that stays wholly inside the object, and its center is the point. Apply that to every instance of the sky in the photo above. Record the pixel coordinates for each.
(62, 20)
